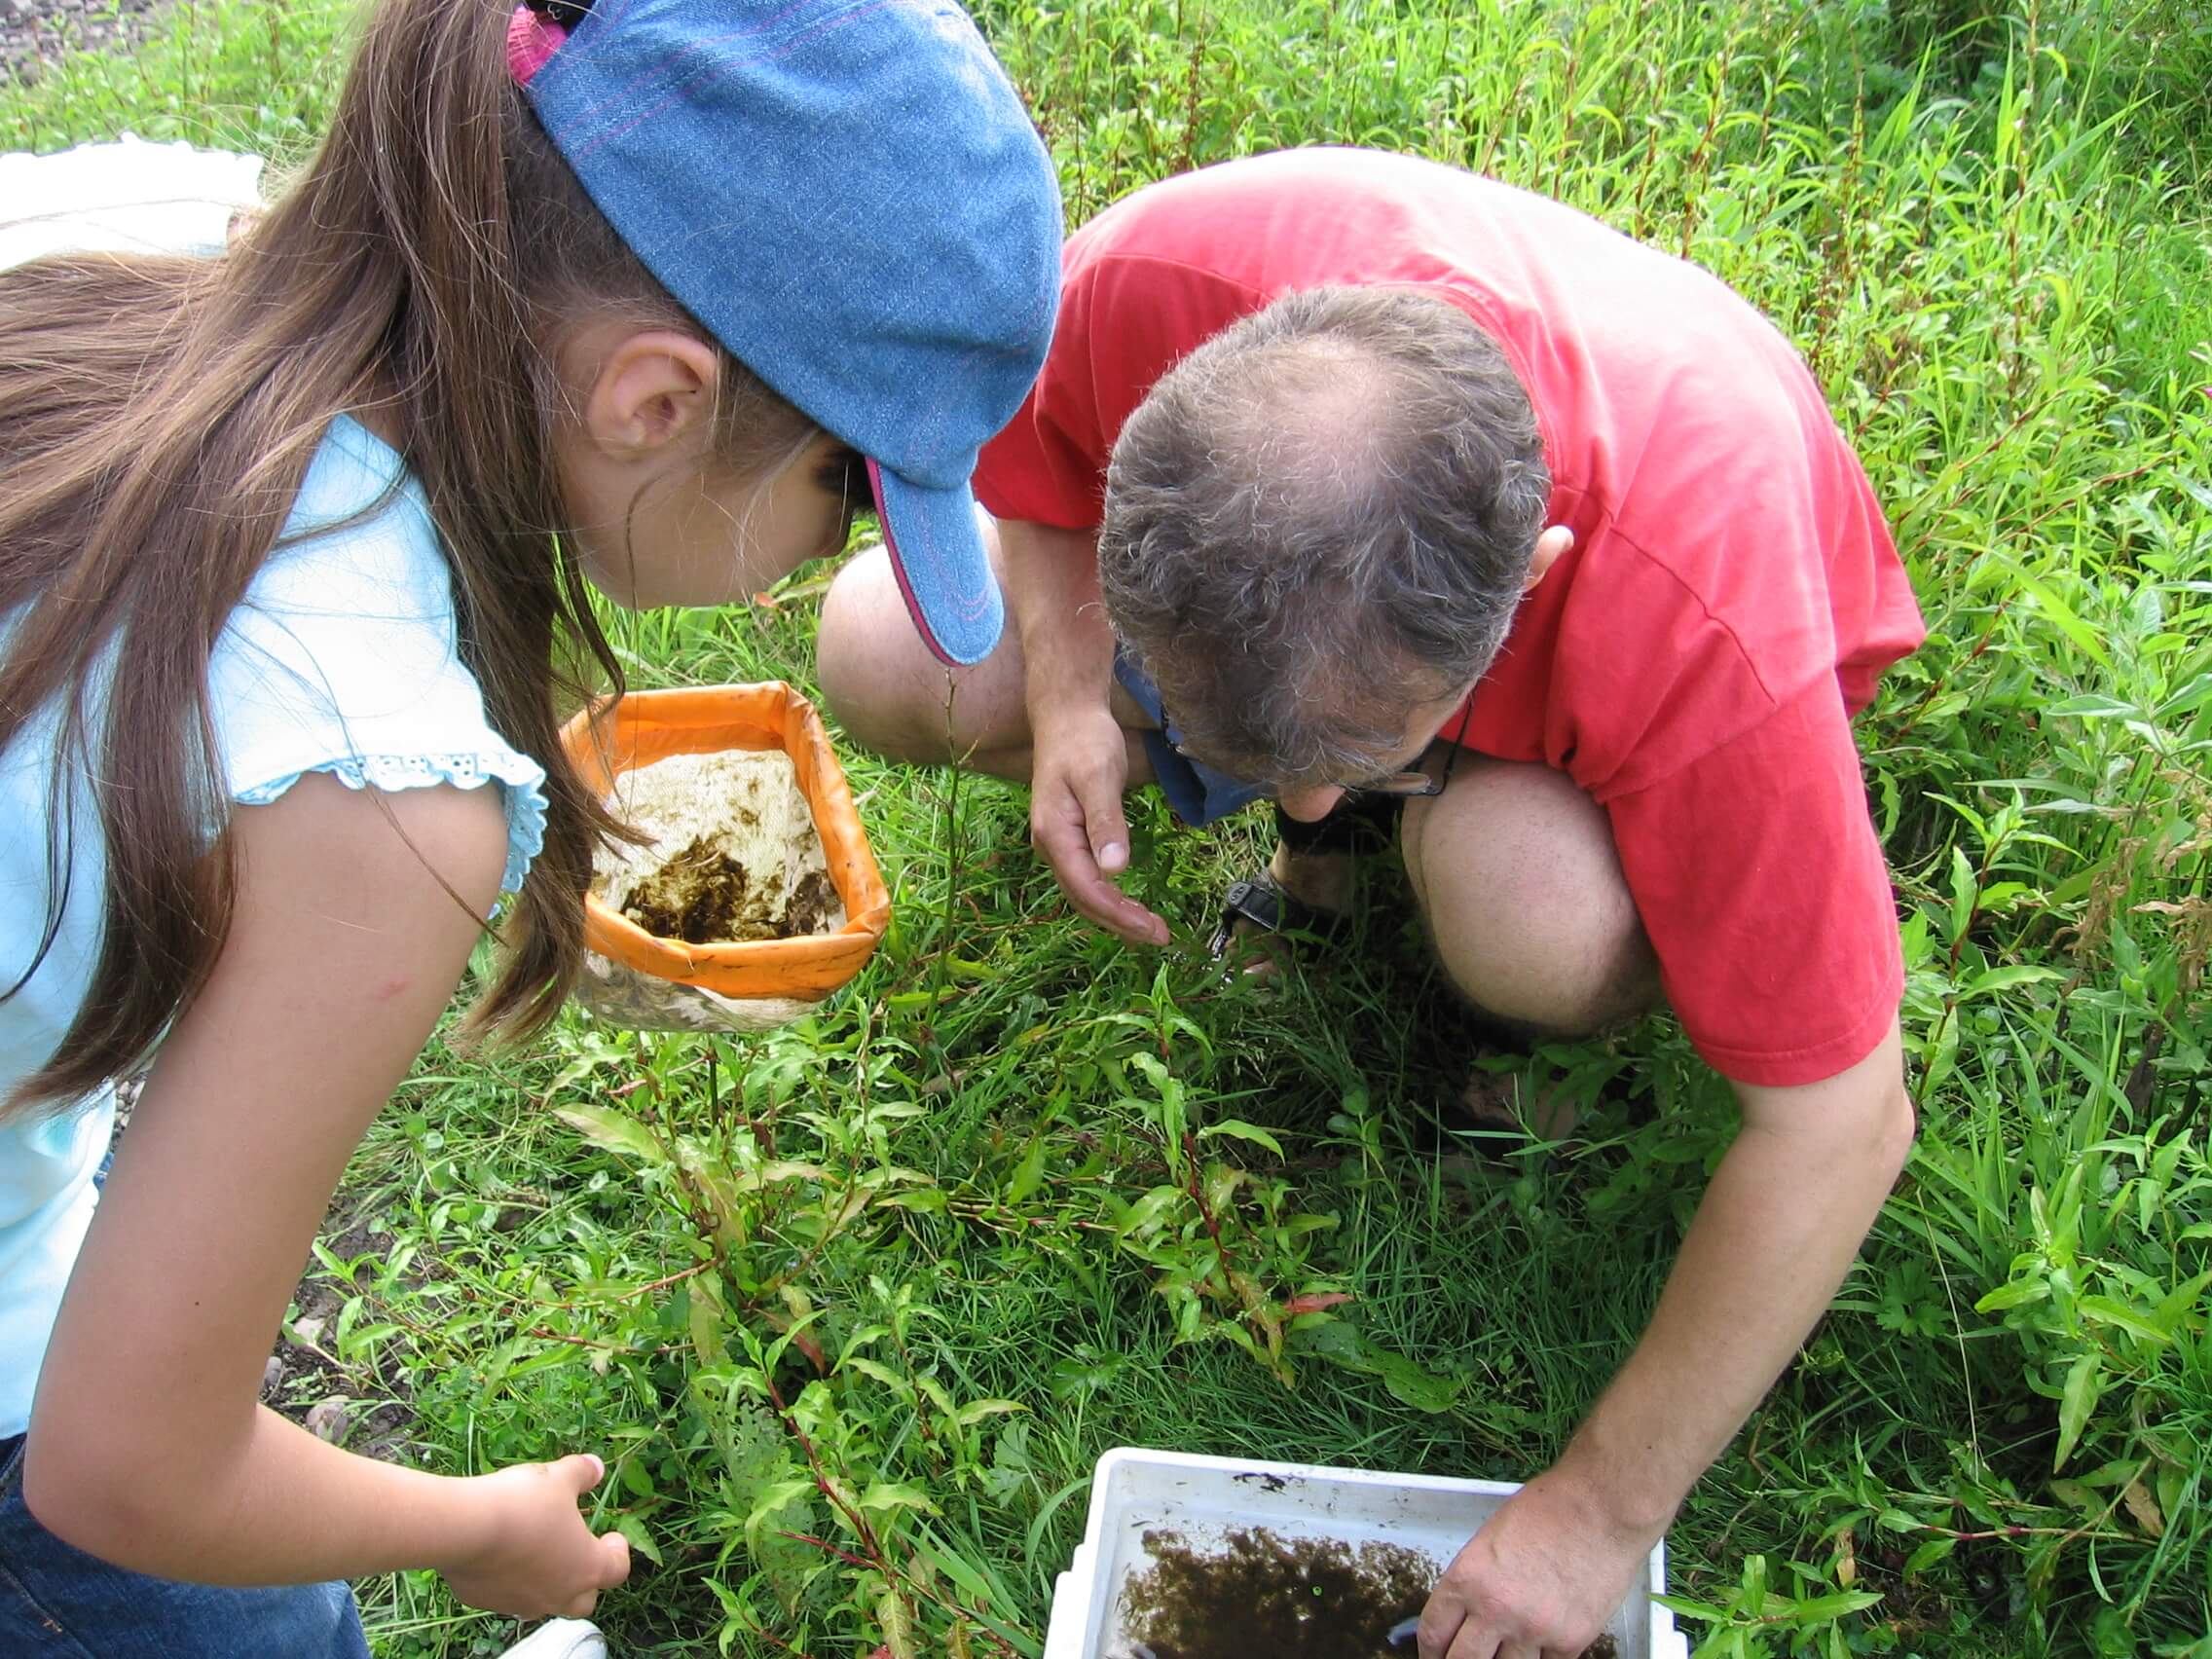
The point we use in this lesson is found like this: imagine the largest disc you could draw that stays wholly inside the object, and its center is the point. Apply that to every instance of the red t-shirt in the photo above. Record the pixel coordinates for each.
(1732, 596)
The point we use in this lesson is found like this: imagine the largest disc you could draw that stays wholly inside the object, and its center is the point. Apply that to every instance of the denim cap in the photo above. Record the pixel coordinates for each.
(851, 196)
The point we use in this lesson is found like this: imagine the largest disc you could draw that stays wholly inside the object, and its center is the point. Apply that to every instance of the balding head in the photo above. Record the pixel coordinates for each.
(1321, 518)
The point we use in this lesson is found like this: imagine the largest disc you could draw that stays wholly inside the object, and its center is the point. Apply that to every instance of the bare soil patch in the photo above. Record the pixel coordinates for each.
(35, 32)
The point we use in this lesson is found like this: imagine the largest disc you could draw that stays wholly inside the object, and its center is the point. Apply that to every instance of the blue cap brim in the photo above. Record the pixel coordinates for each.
(944, 568)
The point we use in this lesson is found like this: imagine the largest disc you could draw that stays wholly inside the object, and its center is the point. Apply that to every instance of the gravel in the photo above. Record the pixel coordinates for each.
(37, 31)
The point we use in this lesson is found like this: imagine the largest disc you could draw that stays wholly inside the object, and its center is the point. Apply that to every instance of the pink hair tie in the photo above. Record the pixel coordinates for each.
(532, 38)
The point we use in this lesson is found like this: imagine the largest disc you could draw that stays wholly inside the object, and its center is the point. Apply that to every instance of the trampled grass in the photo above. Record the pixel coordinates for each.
(964, 1244)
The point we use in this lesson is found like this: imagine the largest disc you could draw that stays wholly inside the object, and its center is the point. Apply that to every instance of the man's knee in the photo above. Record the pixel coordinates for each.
(891, 695)
(1577, 986)
(1522, 894)
(867, 681)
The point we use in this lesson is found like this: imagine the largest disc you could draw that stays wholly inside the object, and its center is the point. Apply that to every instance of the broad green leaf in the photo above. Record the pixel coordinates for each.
(2061, 614)
(2084, 1382)
(705, 1320)
(1928, 1555)
(875, 1371)
(1345, 1344)
(498, 1362)
(975, 1411)
(616, 1131)
(1147, 1214)
(2104, 1310)
(884, 1496)
(1029, 1174)
(1704, 1613)
(2178, 1304)
(772, 1501)
(1244, 1131)
(897, 1623)
(1813, 1609)
(1084, 1373)
(1993, 979)
(2091, 705)
(1963, 888)
(2018, 1293)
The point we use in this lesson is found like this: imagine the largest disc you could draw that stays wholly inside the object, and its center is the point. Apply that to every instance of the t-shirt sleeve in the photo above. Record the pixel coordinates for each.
(1125, 321)
(343, 659)
(1758, 874)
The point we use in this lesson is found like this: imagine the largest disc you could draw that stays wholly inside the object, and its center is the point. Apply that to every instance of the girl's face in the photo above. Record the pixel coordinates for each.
(685, 535)
(657, 517)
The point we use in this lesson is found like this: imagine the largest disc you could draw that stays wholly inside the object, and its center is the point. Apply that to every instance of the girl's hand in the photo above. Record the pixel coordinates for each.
(538, 1559)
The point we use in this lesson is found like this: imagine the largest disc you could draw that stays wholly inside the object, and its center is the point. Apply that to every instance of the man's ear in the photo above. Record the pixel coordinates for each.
(1556, 541)
(652, 388)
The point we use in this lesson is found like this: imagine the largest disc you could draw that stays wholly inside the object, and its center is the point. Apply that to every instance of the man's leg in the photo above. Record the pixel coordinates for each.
(893, 696)
(1516, 876)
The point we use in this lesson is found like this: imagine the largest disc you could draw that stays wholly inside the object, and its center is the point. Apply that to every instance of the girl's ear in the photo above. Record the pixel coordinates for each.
(650, 389)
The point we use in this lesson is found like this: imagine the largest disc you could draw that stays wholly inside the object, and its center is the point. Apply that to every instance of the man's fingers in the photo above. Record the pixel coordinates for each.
(1440, 1623)
(1094, 898)
(1106, 829)
(1067, 847)
(1101, 901)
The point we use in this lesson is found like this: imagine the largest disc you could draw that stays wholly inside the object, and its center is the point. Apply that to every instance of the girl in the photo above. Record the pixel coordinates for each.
(289, 552)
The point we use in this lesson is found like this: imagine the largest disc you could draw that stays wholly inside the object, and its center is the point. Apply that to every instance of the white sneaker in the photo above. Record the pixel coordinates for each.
(561, 1638)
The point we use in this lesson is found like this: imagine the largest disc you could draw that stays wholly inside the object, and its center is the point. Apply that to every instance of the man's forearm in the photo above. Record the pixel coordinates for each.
(1051, 579)
(1771, 1241)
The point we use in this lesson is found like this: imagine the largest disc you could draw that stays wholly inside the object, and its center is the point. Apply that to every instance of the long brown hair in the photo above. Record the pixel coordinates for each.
(157, 416)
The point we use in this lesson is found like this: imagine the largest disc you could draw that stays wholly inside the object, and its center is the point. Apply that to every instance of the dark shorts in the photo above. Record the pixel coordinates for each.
(1198, 793)
(56, 1600)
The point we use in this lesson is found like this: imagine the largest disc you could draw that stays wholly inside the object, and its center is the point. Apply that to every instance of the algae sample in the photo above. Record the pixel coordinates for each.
(733, 854)
(1259, 1593)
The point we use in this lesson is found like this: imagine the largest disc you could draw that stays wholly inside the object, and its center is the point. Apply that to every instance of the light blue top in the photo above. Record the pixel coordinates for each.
(342, 659)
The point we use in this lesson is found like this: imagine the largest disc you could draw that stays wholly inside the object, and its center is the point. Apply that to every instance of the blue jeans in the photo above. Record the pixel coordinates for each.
(56, 1600)
(1195, 793)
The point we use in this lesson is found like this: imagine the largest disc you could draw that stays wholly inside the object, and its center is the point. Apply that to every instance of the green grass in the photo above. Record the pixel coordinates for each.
(963, 1183)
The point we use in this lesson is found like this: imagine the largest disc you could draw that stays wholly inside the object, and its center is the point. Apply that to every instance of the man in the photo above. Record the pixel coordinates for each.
(1371, 460)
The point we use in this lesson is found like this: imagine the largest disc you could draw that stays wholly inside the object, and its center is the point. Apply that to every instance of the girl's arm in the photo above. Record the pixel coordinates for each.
(146, 1445)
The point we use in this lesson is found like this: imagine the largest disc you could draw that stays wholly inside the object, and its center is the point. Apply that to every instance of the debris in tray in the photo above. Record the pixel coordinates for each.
(1261, 1592)
(734, 855)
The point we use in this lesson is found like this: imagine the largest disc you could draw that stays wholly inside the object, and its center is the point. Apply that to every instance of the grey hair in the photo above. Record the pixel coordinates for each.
(1321, 518)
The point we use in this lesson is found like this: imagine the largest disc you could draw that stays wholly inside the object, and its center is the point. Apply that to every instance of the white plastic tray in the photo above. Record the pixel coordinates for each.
(1204, 1498)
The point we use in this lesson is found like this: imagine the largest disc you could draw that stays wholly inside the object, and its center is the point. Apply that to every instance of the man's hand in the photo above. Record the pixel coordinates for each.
(1078, 769)
(1079, 760)
(1539, 1581)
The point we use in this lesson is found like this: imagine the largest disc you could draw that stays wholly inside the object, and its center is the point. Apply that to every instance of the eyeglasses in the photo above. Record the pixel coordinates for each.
(1412, 783)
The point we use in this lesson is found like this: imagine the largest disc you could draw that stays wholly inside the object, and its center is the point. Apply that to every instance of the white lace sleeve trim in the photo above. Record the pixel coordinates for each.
(523, 780)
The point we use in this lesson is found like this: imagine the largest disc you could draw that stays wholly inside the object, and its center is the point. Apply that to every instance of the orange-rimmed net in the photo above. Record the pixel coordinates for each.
(638, 978)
